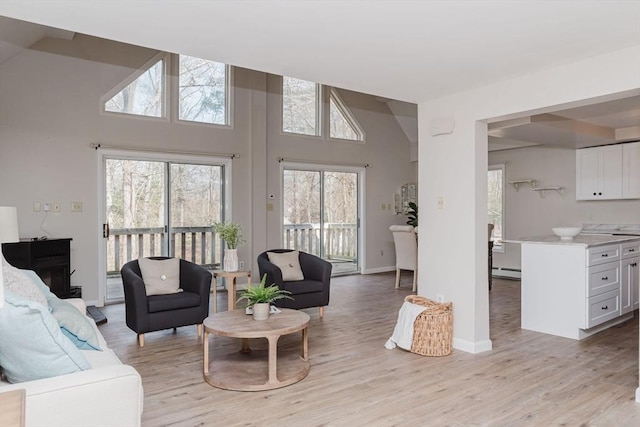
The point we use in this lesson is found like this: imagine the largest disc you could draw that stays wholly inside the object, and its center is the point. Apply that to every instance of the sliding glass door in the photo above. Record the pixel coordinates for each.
(320, 215)
(159, 208)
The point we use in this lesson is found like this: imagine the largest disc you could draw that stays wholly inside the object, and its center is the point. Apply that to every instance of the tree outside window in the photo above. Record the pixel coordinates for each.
(495, 199)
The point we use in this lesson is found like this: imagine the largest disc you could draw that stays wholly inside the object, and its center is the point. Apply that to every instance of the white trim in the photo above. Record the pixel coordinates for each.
(471, 346)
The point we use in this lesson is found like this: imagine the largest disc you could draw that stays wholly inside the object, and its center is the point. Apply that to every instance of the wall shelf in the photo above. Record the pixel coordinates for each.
(516, 183)
(541, 190)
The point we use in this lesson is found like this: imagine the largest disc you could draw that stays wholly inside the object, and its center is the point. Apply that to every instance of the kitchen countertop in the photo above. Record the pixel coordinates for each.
(586, 240)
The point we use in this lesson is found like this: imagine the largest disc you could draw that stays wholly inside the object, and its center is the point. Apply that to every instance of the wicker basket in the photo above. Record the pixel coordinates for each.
(433, 328)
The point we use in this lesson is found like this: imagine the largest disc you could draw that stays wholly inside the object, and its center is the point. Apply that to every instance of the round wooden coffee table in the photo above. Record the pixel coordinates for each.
(246, 370)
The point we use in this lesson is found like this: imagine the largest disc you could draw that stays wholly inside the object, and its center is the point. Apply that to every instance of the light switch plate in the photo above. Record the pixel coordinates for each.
(76, 206)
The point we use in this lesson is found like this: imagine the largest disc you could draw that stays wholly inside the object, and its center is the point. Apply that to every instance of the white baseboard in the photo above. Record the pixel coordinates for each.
(638, 394)
(379, 270)
(510, 273)
(472, 347)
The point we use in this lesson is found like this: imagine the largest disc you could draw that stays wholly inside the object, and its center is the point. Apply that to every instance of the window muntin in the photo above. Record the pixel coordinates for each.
(495, 199)
(144, 96)
(300, 106)
(342, 125)
(202, 90)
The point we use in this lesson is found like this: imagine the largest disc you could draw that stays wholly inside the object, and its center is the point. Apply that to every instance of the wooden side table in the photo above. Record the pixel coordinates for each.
(230, 279)
(12, 408)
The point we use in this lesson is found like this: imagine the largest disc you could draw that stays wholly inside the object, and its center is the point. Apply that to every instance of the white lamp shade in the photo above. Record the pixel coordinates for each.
(9, 224)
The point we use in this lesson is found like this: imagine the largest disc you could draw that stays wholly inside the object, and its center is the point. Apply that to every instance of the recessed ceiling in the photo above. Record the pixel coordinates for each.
(587, 126)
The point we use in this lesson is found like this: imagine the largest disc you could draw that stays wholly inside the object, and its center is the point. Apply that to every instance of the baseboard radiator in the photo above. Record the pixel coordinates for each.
(506, 273)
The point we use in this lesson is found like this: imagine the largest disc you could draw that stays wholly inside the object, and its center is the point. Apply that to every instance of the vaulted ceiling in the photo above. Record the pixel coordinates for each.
(403, 50)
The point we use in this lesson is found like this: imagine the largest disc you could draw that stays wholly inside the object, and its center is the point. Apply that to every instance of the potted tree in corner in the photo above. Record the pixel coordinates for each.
(260, 297)
(231, 233)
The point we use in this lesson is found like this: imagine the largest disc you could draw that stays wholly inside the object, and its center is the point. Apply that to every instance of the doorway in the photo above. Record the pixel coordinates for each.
(321, 214)
(158, 206)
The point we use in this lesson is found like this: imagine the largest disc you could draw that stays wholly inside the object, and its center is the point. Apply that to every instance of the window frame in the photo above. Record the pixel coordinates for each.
(166, 96)
(334, 96)
(498, 245)
(319, 110)
(175, 91)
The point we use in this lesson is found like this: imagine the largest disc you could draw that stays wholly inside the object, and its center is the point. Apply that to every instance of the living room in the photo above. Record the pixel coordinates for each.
(36, 120)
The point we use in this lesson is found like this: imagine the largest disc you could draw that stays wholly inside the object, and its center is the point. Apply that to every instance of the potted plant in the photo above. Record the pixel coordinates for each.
(412, 214)
(231, 233)
(260, 298)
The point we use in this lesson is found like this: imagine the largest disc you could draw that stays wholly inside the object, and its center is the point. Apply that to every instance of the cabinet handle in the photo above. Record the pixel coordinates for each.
(594, 194)
(599, 194)
(632, 250)
(604, 255)
(605, 307)
(605, 278)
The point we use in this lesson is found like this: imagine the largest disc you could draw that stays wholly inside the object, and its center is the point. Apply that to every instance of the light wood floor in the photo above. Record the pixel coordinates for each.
(528, 379)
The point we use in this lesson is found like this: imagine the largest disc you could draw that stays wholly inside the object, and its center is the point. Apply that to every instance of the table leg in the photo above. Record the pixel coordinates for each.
(245, 346)
(215, 294)
(305, 344)
(205, 355)
(273, 360)
(231, 293)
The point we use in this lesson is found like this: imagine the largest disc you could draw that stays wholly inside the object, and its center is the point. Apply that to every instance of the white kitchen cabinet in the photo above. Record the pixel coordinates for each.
(575, 289)
(599, 173)
(630, 277)
(631, 170)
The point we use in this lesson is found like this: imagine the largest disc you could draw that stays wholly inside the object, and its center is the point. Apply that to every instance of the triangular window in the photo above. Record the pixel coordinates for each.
(342, 124)
(142, 93)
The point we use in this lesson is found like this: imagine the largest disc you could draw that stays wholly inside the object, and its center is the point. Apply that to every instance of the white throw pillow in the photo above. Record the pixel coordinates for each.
(17, 281)
(288, 263)
(160, 276)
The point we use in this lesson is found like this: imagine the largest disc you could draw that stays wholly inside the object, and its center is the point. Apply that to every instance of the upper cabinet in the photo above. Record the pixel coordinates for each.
(631, 171)
(608, 172)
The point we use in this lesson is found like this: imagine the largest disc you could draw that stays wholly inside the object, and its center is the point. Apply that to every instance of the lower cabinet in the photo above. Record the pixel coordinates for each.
(575, 291)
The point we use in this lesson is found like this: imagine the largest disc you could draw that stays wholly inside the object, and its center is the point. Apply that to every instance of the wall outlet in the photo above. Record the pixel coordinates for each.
(439, 298)
(55, 206)
(76, 206)
(46, 207)
(241, 265)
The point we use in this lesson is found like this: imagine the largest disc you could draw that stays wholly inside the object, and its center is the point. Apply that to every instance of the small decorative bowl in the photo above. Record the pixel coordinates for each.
(566, 233)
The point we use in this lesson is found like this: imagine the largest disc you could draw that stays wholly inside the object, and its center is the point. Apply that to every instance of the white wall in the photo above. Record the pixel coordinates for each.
(453, 249)
(526, 214)
(50, 113)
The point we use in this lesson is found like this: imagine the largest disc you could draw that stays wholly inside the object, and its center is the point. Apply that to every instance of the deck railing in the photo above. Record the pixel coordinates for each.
(196, 244)
(341, 240)
(200, 245)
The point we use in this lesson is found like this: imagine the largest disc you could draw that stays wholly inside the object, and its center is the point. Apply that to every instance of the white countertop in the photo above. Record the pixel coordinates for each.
(580, 240)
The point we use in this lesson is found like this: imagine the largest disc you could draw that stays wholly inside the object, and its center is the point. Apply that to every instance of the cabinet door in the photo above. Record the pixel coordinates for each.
(629, 284)
(631, 170)
(611, 172)
(587, 174)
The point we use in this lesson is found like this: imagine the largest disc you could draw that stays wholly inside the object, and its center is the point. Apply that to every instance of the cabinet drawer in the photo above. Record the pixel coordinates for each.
(603, 254)
(630, 250)
(604, 278)
(603, 308)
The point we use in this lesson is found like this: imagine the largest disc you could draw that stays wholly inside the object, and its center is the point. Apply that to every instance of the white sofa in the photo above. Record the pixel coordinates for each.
(108, 394)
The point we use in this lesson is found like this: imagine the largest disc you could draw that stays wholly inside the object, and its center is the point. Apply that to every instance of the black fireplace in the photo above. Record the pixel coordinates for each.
(50, 259)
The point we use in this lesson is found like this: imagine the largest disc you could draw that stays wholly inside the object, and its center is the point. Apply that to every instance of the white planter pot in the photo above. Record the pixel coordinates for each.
(261, 311)
(230, 262)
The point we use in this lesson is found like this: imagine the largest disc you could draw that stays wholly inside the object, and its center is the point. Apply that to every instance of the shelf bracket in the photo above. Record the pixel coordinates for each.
(541, 190)
(516, 183)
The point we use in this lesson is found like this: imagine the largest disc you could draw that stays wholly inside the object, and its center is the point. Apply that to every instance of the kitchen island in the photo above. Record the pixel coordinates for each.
(576, 288)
